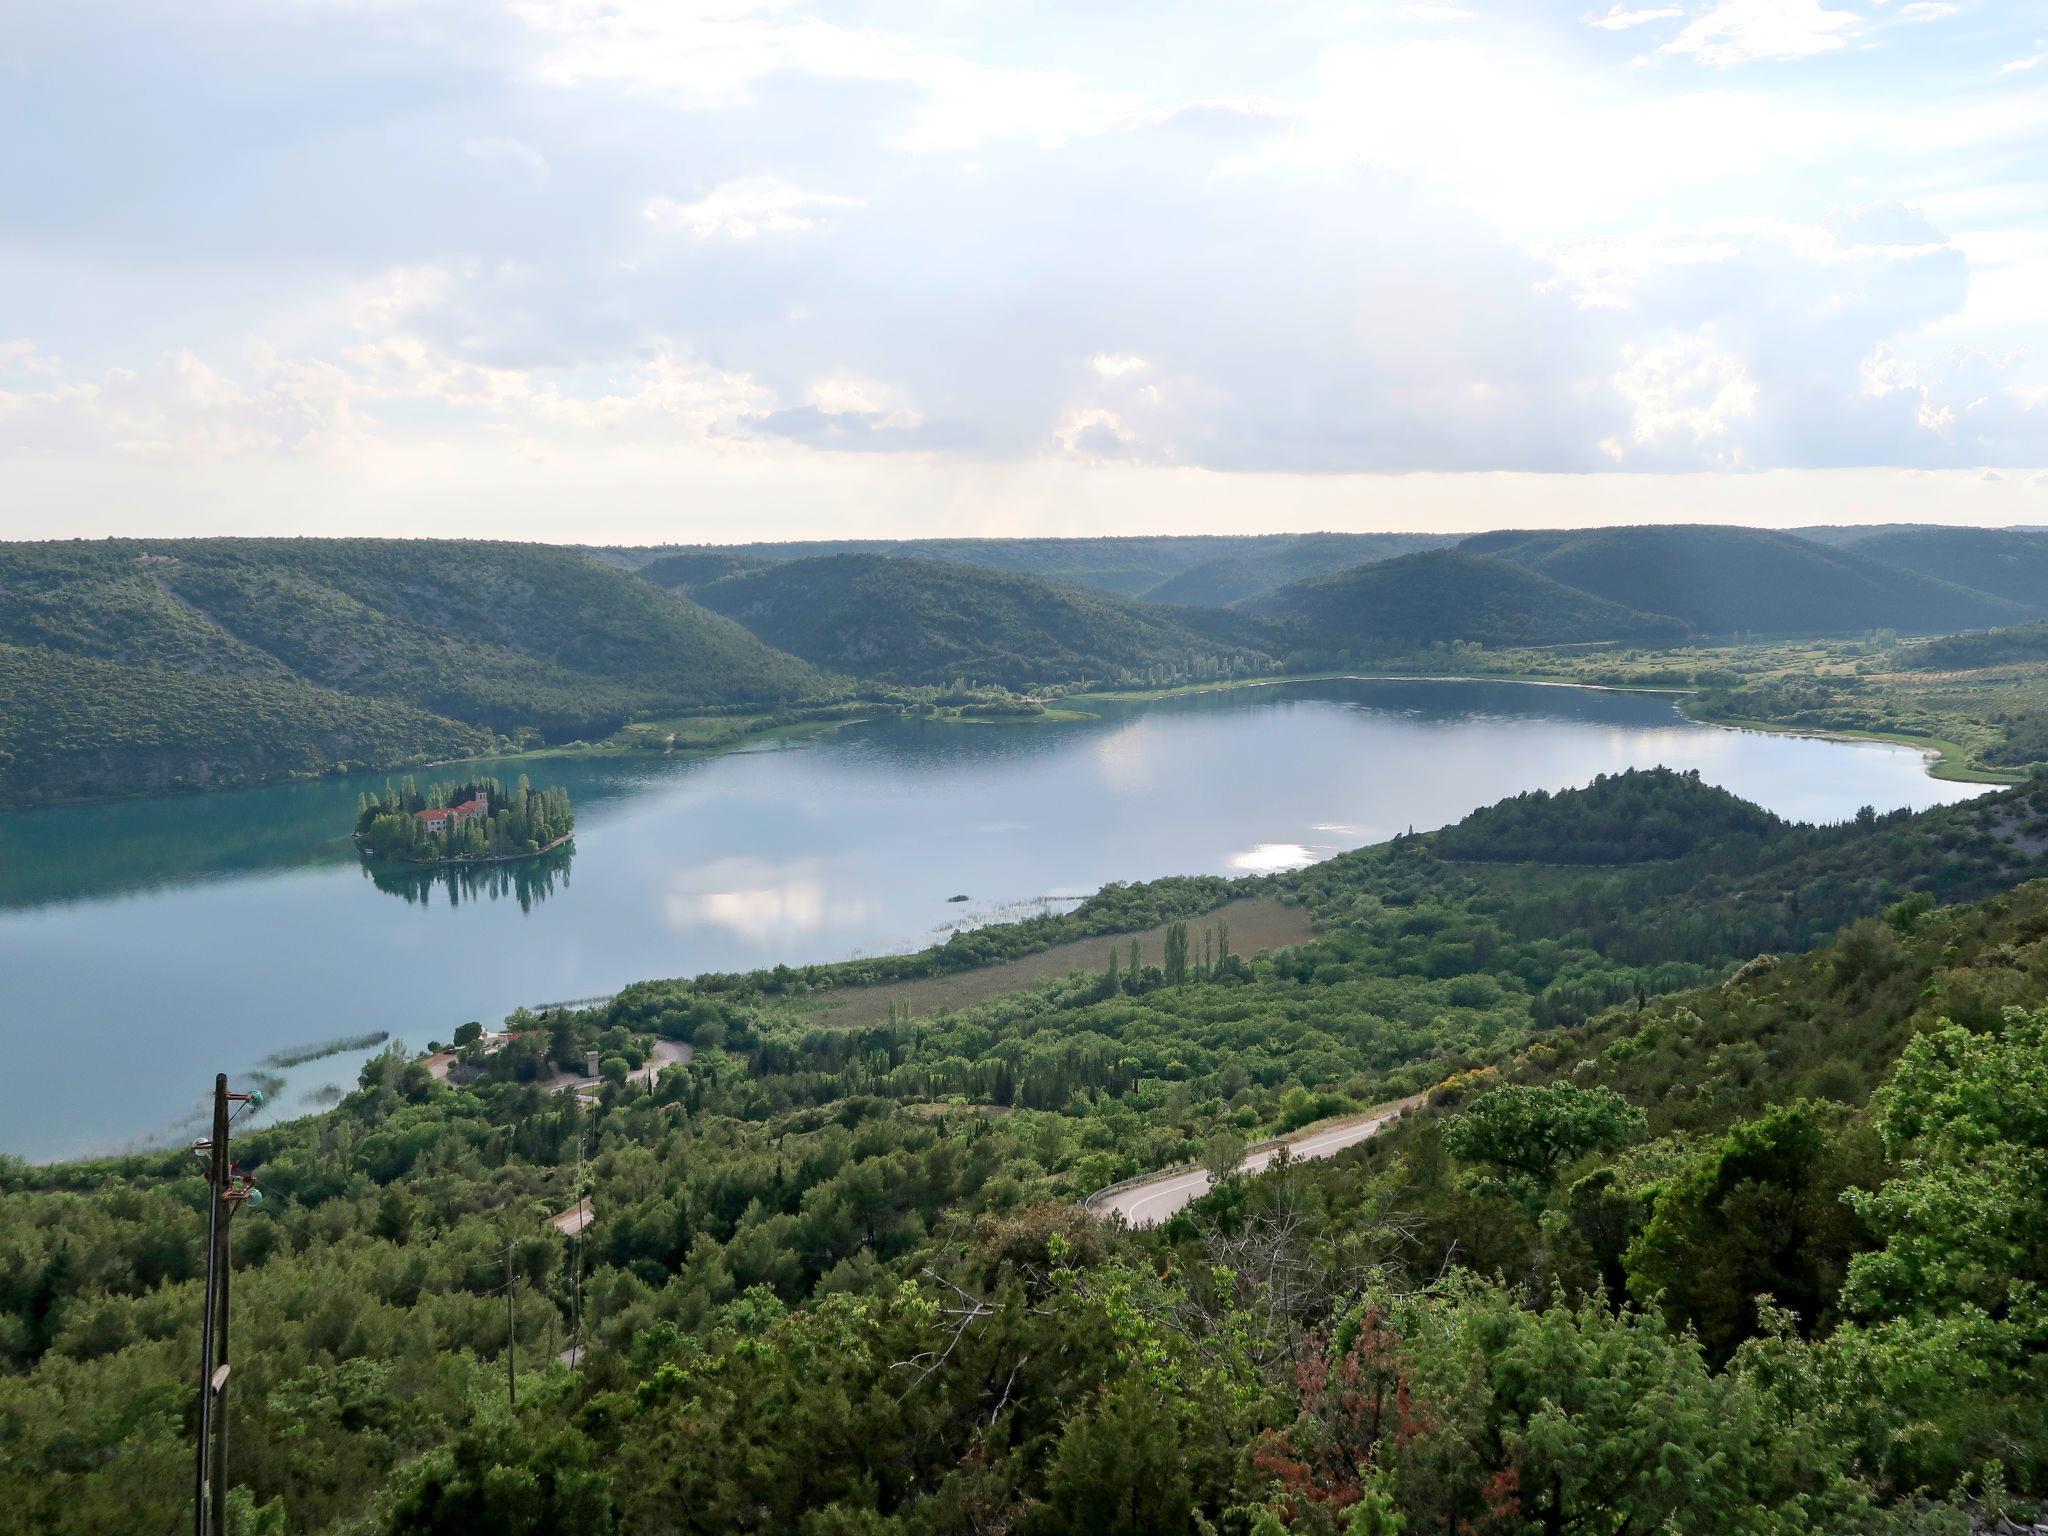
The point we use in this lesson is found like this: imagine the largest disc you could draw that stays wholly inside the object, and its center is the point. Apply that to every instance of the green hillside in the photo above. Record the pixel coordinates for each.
(925, 621)
(1270, 563)
(1723, 580)
(700, 567)
(1441, 596)
(2005, 563)
(521, 641)
(1133, 566)
(76, 726)
(1617, 819)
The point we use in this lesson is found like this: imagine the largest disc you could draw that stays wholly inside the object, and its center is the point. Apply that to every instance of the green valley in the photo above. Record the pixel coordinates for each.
(1678, 1055)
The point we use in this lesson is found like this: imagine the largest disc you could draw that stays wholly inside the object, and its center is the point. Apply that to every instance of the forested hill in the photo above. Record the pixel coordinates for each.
(1445, 595)
(1262, 566)
(2004, 562)
(1725, 580)
(513, 640)
(1132, 566)
(1617, 819)
(932, 621)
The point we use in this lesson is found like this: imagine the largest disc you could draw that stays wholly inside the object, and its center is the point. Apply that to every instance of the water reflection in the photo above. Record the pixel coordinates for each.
(758, 901)
(527, 881)
(184, 937)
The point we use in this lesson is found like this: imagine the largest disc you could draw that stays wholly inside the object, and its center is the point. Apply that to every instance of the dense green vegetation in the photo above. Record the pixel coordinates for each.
(1441, 596)
(474, 819)
(516, 641)
(836, 1282)
(76, 727)
(1724, 581)
(2020, 643)
(910, 620)
(2006, 562)
(1616, 819)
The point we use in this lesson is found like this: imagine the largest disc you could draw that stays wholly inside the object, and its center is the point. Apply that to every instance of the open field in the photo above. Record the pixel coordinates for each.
(1255, 926)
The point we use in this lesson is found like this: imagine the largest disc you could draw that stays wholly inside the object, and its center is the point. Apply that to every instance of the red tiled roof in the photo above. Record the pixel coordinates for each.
(474, 806)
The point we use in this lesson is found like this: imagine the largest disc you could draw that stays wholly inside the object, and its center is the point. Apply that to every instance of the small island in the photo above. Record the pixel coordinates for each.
(472, 822)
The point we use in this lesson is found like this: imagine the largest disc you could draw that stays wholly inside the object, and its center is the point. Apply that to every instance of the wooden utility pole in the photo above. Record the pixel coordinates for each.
(227, 1190)
(511, 1335)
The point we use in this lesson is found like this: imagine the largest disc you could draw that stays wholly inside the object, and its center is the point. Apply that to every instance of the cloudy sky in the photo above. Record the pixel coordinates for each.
(718, 269)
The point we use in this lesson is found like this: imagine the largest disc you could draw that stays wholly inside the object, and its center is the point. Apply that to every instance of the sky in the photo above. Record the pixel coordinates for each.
(709, 270)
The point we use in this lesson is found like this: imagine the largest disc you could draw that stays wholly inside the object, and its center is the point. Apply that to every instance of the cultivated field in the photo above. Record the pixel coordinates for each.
(1255, 926)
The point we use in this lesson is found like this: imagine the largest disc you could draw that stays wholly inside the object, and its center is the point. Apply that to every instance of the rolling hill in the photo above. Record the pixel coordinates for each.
(2004, 562)
(1269, 563)
(75, 727)
(476, 641)
(1723, 580)
(695, 568)
(1444, 595)
(1136, 566)
(929, 621)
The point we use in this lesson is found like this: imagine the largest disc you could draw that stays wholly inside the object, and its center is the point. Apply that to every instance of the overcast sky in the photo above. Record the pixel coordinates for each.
(656, 270)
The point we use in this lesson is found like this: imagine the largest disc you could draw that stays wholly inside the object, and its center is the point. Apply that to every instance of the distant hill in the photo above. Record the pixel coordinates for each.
(929, 621)
(1133, 566)
(1270, 563)
(1721, 580)
(1444, 595)
(699, 567)
(511, 640)
(2004, 562)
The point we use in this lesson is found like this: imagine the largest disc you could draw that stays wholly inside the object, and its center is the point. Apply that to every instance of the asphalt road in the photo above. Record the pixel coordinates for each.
(1156, 1199)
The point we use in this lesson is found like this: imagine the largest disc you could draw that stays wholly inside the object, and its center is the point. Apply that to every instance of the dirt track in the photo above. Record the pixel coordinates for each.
(1154, 1200)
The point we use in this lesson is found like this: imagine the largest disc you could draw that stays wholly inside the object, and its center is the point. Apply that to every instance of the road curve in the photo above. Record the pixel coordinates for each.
(1148, 1203)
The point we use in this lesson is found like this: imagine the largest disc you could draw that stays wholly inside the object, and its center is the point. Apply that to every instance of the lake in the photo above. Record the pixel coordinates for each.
(146, 945)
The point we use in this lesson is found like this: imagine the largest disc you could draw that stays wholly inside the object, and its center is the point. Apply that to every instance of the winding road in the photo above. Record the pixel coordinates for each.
(1151, 1201)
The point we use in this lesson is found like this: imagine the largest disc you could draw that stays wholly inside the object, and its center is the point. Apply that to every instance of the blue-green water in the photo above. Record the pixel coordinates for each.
(146, 945)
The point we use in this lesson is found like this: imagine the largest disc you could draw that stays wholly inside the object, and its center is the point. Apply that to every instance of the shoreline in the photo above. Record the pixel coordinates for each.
(487, 858)
(1946, 761)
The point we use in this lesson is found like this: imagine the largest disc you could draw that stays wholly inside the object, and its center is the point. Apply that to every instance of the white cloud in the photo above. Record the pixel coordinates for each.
(1620, 18)
(745, 208)
(715, 53)
(1743, 31)
(1096, 434)
(1684, 387)
(23, 357)
(1927, 10)
(1116, 365)
(2015, 66)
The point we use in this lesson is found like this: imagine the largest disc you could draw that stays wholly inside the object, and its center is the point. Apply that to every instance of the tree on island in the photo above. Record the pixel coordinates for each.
(472, 819)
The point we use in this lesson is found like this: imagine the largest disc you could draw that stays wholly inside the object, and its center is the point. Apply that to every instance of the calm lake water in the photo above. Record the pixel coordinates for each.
(146, 945)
